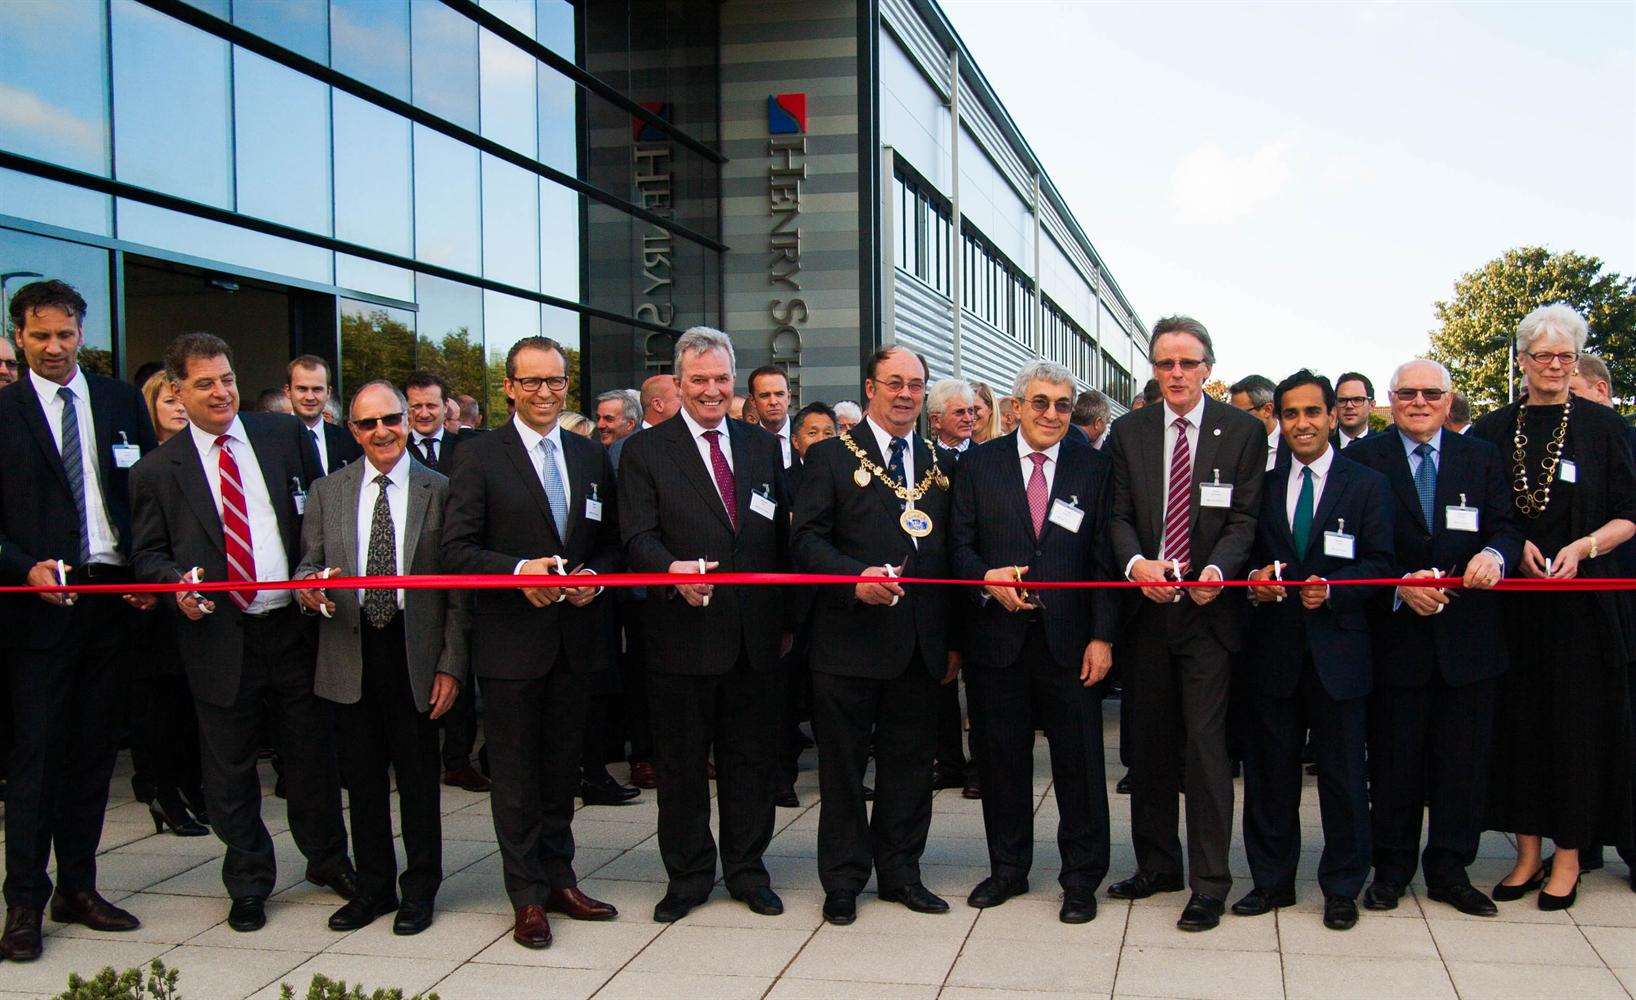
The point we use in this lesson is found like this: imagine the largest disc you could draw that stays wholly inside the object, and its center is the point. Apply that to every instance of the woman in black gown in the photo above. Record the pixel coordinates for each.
(1562, 739)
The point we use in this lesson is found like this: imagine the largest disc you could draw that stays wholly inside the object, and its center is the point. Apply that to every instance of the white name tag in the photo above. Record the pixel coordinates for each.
(1340, 545)
(761, 504)
(1460, 518)
(1568, 472)
(1067, 515)
(1215, 494)
(593, 510)
(300, 504)
(126, 455)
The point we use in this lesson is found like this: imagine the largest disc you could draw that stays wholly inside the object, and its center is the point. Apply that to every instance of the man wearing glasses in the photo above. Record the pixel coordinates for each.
(1354, 402)
(8, 362)
(1187, 493)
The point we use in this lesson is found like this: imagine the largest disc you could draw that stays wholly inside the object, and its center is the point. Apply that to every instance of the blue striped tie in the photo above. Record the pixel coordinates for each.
(554, 491)
(1425, 481)
(73, 466)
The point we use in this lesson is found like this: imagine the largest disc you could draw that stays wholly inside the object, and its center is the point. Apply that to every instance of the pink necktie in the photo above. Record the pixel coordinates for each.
(724, 477)
(1039, 495)
(1177, 545)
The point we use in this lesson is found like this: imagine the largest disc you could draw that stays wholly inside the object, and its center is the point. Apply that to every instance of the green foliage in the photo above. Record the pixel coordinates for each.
(1479, 322)
(324, 988)
(159, 984)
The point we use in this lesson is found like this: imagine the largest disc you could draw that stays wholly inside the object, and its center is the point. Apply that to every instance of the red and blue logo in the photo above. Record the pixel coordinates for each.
(644, 131)
(787, 114)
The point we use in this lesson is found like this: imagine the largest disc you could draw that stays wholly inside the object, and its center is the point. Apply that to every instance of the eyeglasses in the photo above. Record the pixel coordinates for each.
(389, 419)
(1408, 395)
(1543, 358)
(1351, 400)
(1039, 404)
(1185, 364)
(916, 386)
(556, 383)
(10, 366)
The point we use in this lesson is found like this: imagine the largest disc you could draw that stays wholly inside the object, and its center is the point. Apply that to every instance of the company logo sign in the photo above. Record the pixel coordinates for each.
(644, 131)
(787, 114)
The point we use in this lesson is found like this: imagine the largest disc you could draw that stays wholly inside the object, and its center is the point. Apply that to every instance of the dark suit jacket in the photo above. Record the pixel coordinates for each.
(1231, 441)
(1283, 634)
(339, 444)
(1465, 636)
(497, 516)
(991, 526)
(178, 527)
(37, 518)
(445, 451)
(670, 509)
(844, 528)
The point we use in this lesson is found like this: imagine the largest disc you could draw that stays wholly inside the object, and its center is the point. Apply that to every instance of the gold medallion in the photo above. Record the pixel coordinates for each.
(861, 477)
(915, 522)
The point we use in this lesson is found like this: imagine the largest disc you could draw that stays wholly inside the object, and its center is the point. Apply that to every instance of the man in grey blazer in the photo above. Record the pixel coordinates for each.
(393, 660)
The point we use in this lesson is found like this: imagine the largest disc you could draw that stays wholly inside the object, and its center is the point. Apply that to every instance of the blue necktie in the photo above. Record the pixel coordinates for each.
(1425, 481)
(1302, 527)
(73, 466)
(555, 494)
(895, 466)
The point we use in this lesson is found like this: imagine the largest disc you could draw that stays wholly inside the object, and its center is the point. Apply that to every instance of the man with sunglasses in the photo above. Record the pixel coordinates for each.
(1354, 402)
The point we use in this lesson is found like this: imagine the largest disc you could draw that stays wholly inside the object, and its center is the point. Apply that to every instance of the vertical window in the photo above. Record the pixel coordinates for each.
(282, 143)
(372, 200)
(449, 330)
(507, 93)
(511, 224)
(559, 240)
(376, 342)
(53, 79)
(86, 268)
(299, 25)
(369, 40)
(444, 62)
(447, 206)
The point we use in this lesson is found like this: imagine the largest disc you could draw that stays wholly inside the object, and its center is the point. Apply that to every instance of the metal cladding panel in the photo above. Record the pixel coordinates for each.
(918, 41)
(993, 141)
(924, 323)
(990, 355)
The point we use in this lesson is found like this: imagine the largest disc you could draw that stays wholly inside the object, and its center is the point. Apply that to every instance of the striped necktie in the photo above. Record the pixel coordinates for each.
(1177, 543)
(241, 559)
(73, 466)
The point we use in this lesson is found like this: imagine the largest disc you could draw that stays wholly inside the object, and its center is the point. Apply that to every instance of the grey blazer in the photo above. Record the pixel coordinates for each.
(434, 621)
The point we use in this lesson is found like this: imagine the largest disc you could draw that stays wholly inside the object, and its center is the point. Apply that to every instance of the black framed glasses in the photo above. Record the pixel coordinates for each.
(556, 383)
(1351, 400)
(1408, 395)
(389, 419)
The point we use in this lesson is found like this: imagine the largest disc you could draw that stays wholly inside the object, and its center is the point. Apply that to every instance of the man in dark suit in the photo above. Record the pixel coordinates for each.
(699, 493)
(532, 500)
(1438, 656)
(391, 661)
(1034, 505)
(874, 502)
(1354, 403)
(67, 441)
(1187, 488)
(1323, 519)
(1254, 394)
(951, 409)
(226, 498)
(307, 385)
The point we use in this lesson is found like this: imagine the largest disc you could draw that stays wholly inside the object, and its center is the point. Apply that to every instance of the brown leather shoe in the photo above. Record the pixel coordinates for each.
(467, 777)
(90, 909)
(532, 929)
(644, 776)
(575, 905)
(21, 941)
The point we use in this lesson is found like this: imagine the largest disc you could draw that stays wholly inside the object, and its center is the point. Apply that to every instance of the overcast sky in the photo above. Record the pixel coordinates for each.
(1308, 179)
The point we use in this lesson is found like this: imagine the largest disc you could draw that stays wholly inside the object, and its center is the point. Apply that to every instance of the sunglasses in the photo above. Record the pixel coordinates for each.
(1408, 395)
(368, 423)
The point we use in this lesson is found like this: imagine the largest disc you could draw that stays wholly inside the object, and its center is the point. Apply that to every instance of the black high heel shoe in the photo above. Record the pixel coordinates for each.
(167, 810)
(1548, 902)
(195, 802)
(1511, 893)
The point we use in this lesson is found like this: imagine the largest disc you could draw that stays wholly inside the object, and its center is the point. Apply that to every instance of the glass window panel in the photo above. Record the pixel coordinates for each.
(369, 40)
(447, 205)
(298, 25)
(216, 7)
(508, 94)
(450, 324)
(282, 137)
(559, 143)
(31, 197)
(177, 232)
(360, 275)
(506, 320)
(161, 65)
(511, 227)
(517, 13)
(86, 268)
(445, 62)
(559, 241)
(372, 192)
(554, 27)
(53, 83)
(376, 342)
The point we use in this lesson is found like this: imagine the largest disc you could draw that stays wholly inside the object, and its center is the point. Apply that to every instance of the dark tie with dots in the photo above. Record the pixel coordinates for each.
(895, 464)
(381, 605)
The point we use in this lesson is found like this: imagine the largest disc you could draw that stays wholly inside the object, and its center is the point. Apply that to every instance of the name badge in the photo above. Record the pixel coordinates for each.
(126, 455)
(762, 504)
(593, 510)
(1215, 494)
(1460, 517)
(1567, 471)
(298, 495)
(1067, 515)
(1339, 544)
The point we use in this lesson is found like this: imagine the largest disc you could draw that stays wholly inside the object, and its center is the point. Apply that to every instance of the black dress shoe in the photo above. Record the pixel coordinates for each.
(760, 899)
(1463, 896)
(841, 907)
(1078, 906)
(603, 790)
(673, 908)
(1201, 913)
(1260, 901)
(1384, 896)
(21, 940)
(993, 891)
(414, 916)
(948, 775)
(1340, 913)
(917, 898)
(786, 798)
(248, 913)
(360, 912)
(1509, 893)
(89, 909)
(1144, 884)
(974, 786)
(343, 883)
(1123, 787)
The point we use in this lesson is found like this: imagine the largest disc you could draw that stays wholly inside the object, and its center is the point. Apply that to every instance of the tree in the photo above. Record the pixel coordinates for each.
(1216, 389)
(1479, 322)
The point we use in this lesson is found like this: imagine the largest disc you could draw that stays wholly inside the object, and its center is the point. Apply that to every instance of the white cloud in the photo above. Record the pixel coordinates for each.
(1212, 187)
(25, 112)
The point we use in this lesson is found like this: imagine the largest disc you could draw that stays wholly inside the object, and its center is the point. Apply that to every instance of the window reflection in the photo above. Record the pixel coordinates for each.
(559, 132)
(445, 62)
(53, 83)
(359, 274)
(86, 268)
(376, 342)
(446, 202)
(178, 232)
(450, 322)
(369, 40)
(508, 110)
(559, 240)
(372, 200)
(299, 25)
(506, 320)
(63, 205)
(517, 13)
(282, 137)
(511, 232)
(554, 27)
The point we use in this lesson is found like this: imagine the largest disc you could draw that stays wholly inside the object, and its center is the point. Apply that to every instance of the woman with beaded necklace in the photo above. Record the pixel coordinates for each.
(1562, 747)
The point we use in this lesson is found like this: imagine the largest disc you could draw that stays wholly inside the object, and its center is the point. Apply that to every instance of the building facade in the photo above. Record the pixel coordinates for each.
(394, 184)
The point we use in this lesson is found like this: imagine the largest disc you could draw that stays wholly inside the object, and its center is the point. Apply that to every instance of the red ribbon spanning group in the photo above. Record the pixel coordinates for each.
(553, 580)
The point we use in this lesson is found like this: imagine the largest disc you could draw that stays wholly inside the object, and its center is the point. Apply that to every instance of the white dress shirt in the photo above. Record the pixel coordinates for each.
(1342, 439)
(783, 435)
(397, 498)
(266, 544)
(101, 542)
(316, 432)
(1195, 423)
(1320, 476)
(1024, 450)
(536, 457)
(883, 440)
(1272, 448)
(418, 445)
(702, 443)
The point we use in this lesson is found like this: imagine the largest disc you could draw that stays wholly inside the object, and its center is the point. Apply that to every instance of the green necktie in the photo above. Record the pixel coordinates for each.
(1303, 514)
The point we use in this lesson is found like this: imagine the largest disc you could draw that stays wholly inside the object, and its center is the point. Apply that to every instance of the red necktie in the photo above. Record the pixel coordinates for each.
(725, 482)
(1177, 545)
(241, 560)
(1038, 493)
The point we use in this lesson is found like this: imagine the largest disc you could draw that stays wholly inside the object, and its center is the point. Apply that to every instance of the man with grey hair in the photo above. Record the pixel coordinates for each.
(1253, 394)
(618, 411)
(1091, 412)
(847, 415)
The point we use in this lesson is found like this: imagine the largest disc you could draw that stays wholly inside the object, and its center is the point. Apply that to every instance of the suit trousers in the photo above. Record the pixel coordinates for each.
(385, 729)
(1272, 786)
(536, 730)
(1429, 744)
(638, 723)
(738, 712)
(65, 713)
(901, 713)
(1177, 679)
(459, 725)
(1013, 696)
(796, 705)
(276, 673)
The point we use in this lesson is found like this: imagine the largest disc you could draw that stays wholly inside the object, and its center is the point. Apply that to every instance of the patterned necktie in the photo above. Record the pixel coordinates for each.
(428, 451)
(895, 466)
(1301, 527)
(1177, 544)
(318, 446)
(73, 466)
(555, 494)
(725, 483)
(1039, 494)
(1425, 480)
(241, 559)
(381, 605)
